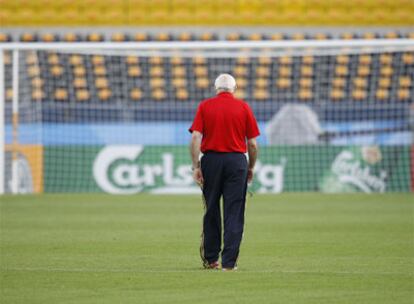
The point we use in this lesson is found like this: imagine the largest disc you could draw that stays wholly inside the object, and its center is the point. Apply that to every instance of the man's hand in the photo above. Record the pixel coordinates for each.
(198, 176)
(250, 175)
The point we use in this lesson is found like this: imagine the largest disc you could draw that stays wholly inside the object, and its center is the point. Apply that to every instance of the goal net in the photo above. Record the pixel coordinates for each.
(335, 116)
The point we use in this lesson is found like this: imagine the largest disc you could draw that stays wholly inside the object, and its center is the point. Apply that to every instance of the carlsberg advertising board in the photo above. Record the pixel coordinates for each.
(130, 169)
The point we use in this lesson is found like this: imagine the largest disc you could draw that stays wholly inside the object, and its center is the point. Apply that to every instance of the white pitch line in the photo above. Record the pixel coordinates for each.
(29, 269)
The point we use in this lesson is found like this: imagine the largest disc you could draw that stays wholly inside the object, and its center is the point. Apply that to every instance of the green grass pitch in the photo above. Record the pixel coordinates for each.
(297, 248)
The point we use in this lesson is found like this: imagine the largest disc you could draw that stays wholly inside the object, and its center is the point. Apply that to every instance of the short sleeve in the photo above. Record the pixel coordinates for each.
(198, 121)
(252, 130)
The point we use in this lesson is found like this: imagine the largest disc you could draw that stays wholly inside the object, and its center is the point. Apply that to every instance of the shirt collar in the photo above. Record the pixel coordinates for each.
(225, 94)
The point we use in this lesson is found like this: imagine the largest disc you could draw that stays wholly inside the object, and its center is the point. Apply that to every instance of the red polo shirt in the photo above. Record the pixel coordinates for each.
(226, 123)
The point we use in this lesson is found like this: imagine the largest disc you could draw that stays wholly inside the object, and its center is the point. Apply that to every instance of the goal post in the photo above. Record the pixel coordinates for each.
(335, 115)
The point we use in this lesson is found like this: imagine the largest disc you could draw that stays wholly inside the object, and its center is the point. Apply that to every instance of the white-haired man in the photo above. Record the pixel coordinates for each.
(224, 128)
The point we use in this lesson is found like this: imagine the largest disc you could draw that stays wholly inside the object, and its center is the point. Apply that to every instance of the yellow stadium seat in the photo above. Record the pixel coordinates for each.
(156, 60)
(391, 35)
(38, 94)
(82, 95)
(61, 94)
(386, 59)
(285, 71)
(265, 60)
(240, 70)
(359, 94)
(320, 36)
(136, 94)
(233, 36)
(305, 82)
(283, 83)
(178, 71)
(48, 37)
(118, 37)
(262, 82)
(132, 60)
(263, 71)
(99, 70)
(404, 81)
(347, 36)
(242, 60)
(408, 58)
(241, 82)
(306, 70)
(277, 36)
(185, 36)
(56, 70)
(369, 35)
(76, 60)
(104, 94)
(261, 94)
(37, 82)
(158, 94)
(79, 82)
(94, 37)
(53, 59)
(307, 59)
(365, 59)
(27, 37)
(206, 36)
(386, 71)
(182, 94)
(342, 59)
(337, 94)
(198, 60)
(360, 82)
(200, 71)
(403, 94)
(9, 94)
(157, 82)
(101, 82)
(240, 93)
(179, 82)
(285, 60)
(363, 71)
(177, 60)
(202, 83)
(382, 94)
(98, 59)
(339, 82)
(341, 70)
(33, 71)
(70, 37)
(305, 94)
(141, 37)
(255, 37)
(163, 37)
(156, 71)
(298, 36)
(4, 37)
(79, 71)
(134, 71)
(384, 82)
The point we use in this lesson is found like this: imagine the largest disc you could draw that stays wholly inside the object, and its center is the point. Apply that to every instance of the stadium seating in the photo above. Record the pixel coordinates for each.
(91, 78)
(210, 12)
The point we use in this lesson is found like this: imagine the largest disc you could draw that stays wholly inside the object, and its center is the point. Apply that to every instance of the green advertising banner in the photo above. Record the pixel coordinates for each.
(132, 169)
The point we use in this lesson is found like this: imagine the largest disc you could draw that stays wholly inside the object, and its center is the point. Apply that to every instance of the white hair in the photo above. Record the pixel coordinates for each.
(225, 82)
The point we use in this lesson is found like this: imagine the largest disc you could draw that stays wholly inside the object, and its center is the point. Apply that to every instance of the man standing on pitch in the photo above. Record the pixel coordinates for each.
(221, 128)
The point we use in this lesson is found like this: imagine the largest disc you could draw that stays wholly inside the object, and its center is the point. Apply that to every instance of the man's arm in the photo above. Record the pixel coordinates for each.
(195, 155)
(252, 150)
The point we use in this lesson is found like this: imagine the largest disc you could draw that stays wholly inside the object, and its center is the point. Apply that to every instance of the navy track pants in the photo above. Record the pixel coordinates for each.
(225, 174)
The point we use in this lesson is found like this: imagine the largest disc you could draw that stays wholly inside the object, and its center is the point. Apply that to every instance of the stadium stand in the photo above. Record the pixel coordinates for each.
(180, 12)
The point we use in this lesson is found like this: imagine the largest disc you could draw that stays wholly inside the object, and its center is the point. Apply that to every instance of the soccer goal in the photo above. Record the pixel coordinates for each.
(334, 115)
